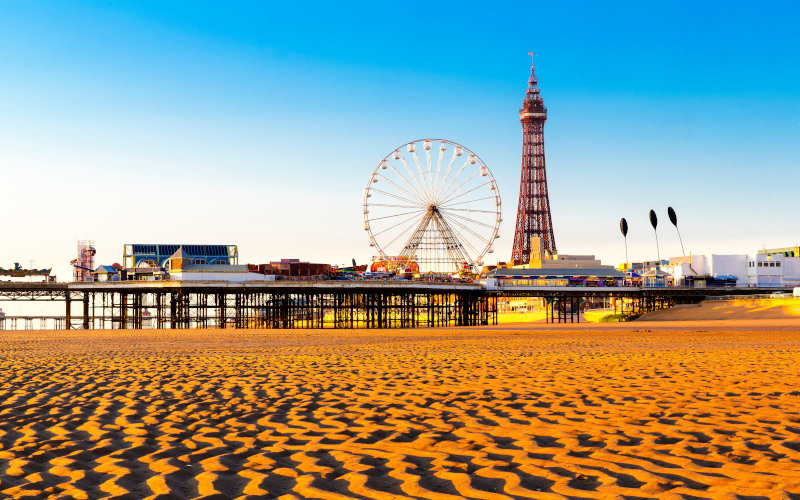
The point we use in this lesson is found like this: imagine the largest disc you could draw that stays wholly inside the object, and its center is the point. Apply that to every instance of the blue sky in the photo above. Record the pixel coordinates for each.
(259, 123)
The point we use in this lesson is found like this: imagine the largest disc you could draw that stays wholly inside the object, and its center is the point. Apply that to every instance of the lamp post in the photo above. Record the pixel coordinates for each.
(654, 223)
(623, 227)
(674, 219)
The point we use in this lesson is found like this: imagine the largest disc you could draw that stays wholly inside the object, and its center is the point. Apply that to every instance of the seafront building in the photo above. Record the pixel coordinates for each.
(182, 267)
(778, 267)
(199, 262)
(768, 268)
(546, 268)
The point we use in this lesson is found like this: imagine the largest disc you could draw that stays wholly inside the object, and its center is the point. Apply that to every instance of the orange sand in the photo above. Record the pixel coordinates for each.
(729, 309)
(565, 412)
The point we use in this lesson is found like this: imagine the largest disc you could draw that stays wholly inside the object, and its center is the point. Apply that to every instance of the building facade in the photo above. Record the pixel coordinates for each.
(158, 254)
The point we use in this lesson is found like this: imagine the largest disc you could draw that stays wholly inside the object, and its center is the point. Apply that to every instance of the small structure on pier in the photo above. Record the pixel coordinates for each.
(19, 272)
(107, 273)
(182, 268)
(554, 277)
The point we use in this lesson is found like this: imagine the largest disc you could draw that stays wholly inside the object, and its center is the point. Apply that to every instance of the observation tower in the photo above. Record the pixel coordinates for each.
(533, 212)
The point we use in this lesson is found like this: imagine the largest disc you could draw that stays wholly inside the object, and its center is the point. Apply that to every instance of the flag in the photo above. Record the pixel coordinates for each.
(530, 53)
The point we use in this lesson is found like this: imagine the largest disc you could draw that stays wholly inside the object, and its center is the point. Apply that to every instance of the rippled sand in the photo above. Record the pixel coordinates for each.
(479, 413)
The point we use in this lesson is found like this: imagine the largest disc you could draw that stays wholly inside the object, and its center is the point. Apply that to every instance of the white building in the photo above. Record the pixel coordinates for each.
(773, 270)
(747, 270)
(218, 272)
(182, 269)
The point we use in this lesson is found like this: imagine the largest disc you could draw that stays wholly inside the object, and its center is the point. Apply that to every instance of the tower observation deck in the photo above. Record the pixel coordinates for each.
(533, 211)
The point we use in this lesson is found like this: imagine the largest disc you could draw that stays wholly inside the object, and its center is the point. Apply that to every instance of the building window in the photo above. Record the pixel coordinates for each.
(777, 264)
(760, 264)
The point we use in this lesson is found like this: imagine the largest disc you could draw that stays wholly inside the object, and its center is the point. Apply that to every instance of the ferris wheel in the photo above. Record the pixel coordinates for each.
(435, 203)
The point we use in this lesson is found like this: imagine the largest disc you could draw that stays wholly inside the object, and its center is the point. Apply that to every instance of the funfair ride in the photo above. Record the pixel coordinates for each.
(434, 203)
(83, 266)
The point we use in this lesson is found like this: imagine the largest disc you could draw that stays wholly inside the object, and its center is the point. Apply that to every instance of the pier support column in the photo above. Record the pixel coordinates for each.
(69, 307)
(173, 310)
(221, 305)
(85, 311)
(123, 310)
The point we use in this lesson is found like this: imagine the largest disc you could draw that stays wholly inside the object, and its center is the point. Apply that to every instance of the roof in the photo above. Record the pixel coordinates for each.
(178, 253)
(144, 270)
(167, 249)
(655, 272)
(556, 273)
(215, 268)
(105, 269)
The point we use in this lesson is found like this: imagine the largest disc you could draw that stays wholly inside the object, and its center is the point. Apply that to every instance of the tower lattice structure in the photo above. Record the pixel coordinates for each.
(533, 211)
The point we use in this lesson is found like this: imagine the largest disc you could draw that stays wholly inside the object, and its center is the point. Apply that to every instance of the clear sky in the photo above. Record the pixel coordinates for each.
(259, 123)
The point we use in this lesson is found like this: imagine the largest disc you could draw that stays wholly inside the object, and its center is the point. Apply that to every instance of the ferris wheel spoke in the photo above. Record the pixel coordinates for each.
(400, 176)
(421, 202)
(465, 241)
(435, 183)
(465, 202)
(430, 172)
(473, 221)
(411, 174)
(419, 233)
(453, 245)
(452, 197)
(392, 206)
(452, 181)
(391, 242)
(396, 215)
(393, 195)
(465, 228)
(468, 244)
(395, 225)
(446, 176)
(444, 209)
(452, 192)
(419, 169)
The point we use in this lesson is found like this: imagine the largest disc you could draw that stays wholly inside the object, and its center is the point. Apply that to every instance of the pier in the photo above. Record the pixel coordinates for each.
(281, 304)
(317, 304)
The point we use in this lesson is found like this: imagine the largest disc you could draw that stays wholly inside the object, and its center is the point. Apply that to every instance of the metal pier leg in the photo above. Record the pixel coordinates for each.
(138, 309)
(173, 310)
(85, 311)
(221, 300)
(123, 310)
(159, 311)
(69, 307)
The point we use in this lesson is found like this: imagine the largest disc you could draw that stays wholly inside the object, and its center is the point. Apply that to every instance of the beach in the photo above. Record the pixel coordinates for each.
(683, 409)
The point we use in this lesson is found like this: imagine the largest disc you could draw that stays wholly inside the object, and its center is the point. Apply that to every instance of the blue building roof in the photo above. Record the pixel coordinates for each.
(159, 253)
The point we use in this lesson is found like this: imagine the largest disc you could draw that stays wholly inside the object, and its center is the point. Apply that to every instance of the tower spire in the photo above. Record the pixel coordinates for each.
(533, 84)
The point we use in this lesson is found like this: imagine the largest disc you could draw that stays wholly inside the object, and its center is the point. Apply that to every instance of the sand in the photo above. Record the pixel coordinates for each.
(762, 309)
(638, 410)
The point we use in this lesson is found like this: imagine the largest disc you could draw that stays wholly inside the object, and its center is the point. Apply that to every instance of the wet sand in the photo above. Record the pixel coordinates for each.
(638, 410)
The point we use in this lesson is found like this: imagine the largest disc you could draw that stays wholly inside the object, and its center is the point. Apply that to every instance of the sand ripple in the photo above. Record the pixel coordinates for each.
(490, 414)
